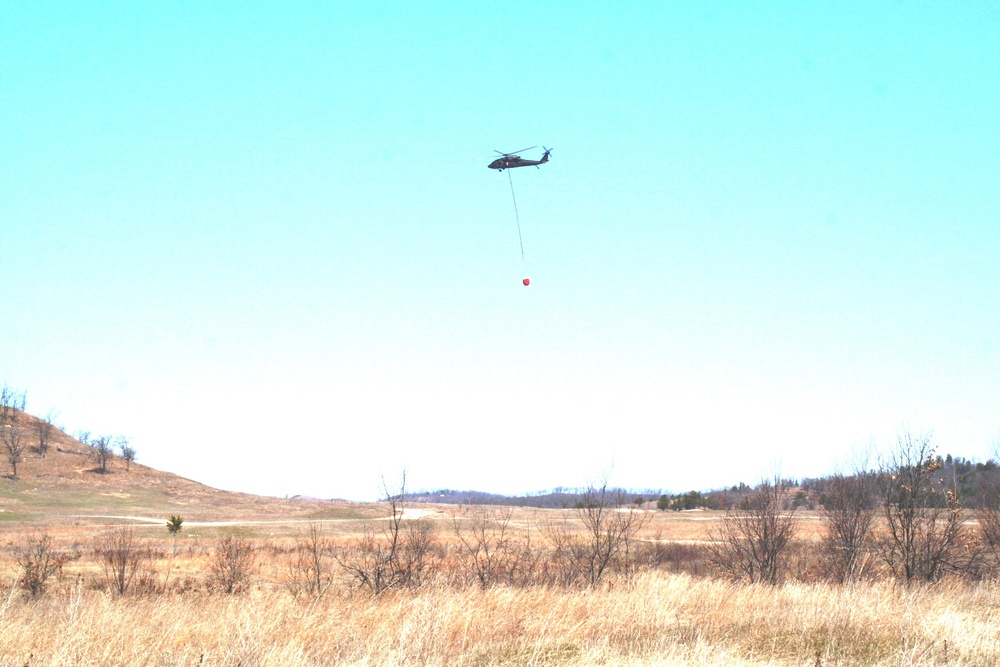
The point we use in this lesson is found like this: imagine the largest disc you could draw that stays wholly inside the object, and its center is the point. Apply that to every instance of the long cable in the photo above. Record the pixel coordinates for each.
(516, 216)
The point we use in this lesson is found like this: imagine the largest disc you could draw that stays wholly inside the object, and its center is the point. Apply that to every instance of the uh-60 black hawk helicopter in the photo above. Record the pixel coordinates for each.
(511, 160)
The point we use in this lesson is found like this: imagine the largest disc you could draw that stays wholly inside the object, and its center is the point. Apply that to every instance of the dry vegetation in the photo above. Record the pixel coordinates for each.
(901, 575)
(176, 610)
(655, 618)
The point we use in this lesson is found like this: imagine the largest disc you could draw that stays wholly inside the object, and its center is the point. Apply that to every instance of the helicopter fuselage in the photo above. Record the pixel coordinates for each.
(512, 161)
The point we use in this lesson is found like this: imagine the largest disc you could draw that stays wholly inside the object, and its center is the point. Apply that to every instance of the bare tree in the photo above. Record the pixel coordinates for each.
(122, 557)
(126, 450)
(311, 567)
(988, 516)
(485, 542)
(394, 555)
(610, 525)
(101, 450)
(38, 561)
(232, 564)
(14, 444)
(849, 506)
(5, 403)
(11, 402)
(923, 518)
(751, 539)
(43, 430)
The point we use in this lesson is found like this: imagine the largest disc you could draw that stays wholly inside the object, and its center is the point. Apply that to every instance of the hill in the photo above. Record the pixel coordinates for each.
(65, 485)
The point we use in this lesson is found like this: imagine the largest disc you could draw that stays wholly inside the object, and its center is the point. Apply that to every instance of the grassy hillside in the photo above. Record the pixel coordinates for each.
(66, 486)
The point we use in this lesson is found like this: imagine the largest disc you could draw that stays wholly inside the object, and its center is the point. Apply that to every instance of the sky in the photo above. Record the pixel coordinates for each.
(261, 240)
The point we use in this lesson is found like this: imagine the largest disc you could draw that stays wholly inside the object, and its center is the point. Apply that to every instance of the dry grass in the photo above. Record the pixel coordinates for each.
(666, 614)
(656, 618)
(663, 616)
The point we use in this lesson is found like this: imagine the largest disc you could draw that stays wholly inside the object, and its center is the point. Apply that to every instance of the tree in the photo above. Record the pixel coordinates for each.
(126, 450)
(393, 555)
(43, 429)
(689, 501)
(311, 568)
(102, 450)
(174, 528)
(14, 444)
(923, 518)
(11, 402)
(848, 508)
(485, 543)
(752, 537)
(609, 530)
(122, 558)
(174, 524)
(989, 521)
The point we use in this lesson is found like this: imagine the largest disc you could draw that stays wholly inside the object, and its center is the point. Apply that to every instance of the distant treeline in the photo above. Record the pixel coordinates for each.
(969, 479)
(558, 498)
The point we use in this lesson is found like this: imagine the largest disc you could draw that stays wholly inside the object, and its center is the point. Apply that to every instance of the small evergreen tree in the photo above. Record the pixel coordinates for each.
(174, 524)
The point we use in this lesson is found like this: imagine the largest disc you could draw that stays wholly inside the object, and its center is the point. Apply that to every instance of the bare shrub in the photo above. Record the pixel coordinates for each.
(848, 508)
(923, 536)
(988, 516)
(123, 559)
(751, 539)
(420, 551)
(657, 552)
(607, 541)
(311, 566)
(485, 544)
(232, 564)
(391, 553)
(38, 560)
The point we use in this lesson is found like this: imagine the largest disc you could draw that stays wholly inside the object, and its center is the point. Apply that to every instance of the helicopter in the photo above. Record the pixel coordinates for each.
(511, 160)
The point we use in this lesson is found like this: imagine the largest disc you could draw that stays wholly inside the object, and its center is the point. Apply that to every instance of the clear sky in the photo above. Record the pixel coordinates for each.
(261, 239)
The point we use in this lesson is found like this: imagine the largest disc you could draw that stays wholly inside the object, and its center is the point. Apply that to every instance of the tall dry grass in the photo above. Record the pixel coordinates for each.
(654, 619)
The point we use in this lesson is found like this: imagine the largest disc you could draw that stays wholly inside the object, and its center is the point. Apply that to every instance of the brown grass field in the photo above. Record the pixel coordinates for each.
(654, 616)
(666, 606)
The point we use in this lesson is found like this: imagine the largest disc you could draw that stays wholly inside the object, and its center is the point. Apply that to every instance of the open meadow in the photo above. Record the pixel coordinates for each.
(299, 599)
(126, 565)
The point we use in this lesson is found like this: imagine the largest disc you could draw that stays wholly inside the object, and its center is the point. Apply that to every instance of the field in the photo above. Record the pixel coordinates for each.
(667, 609)
(90, 575)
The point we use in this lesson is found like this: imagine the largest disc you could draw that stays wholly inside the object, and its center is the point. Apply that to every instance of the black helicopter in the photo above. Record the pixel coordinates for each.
(511, 160)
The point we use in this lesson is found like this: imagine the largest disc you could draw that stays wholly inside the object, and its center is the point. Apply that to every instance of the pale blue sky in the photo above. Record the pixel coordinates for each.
(768, 233)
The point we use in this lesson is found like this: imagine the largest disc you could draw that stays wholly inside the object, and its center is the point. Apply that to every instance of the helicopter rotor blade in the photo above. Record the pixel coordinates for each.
(514, 152)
